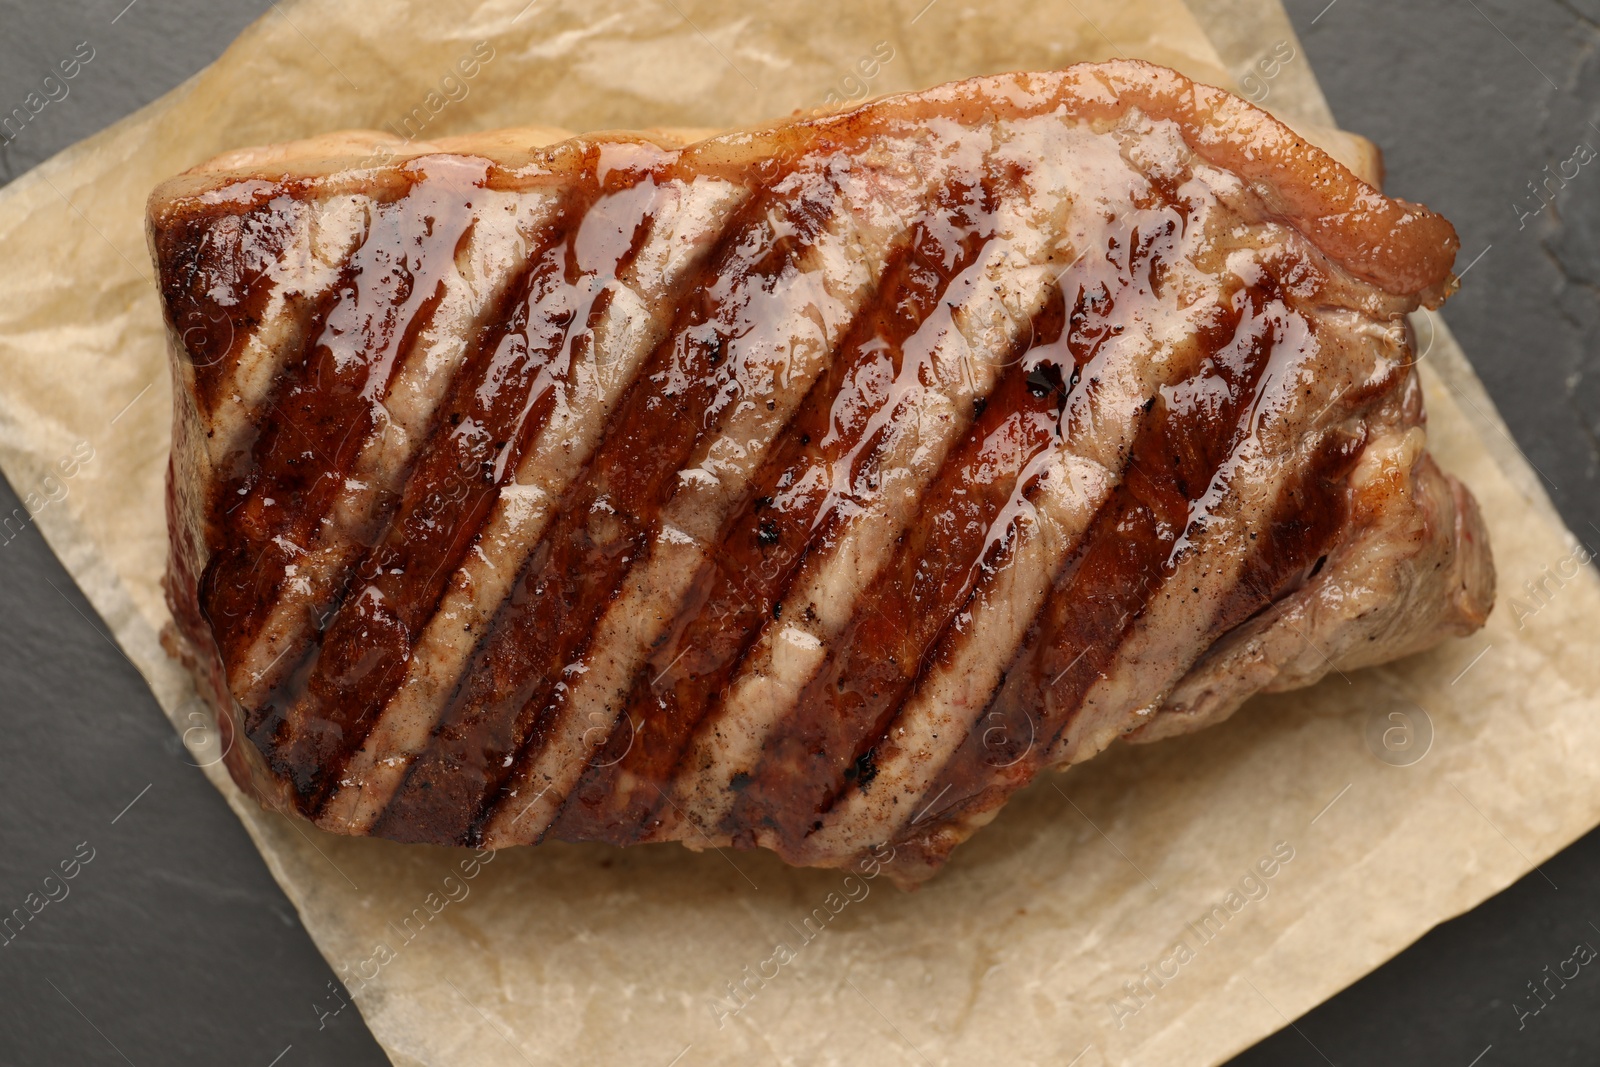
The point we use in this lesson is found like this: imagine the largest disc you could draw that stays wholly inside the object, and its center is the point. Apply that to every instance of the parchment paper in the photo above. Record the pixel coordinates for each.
(1018, 953)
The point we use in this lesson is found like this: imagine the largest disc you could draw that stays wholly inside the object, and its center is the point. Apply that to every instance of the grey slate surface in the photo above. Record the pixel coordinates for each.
(175, 947)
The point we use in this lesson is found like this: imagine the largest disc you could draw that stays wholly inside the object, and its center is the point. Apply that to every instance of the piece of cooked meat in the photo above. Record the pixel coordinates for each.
(807, 487)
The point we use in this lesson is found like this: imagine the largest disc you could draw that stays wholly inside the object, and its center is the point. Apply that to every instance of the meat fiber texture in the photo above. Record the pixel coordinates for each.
(1211, 859)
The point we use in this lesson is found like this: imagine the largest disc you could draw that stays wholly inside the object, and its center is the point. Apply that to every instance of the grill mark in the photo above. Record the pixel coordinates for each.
(472, 300)
(940, 390)
(1123, 563)
(763, 544)
(1307, 518)
(613, 352)
(604, 522)
(234, 605)
(826, 743)
(324, 409)
(1042, 524)
(1309, 515)
(218, 275)
(289, 319)
(1304, 523)
(1305, 366)
(719, 479)
(1133, 252)
(501, 395)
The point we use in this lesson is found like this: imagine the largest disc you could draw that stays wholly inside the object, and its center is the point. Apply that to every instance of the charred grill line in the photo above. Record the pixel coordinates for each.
(1042, 380)
(511, 542)
(661, 582)
(242, 601)
(415, 802)
(383, 300)
(867, 659)
(781, 551)
(351, 698)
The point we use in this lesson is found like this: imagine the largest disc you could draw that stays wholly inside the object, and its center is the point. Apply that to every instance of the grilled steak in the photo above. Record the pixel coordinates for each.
(807, 487)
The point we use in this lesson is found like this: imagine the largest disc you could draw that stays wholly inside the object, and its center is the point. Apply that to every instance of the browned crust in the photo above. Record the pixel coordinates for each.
(1399, 248)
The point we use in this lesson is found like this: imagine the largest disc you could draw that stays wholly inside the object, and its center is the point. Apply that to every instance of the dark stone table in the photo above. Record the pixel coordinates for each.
(176, 947)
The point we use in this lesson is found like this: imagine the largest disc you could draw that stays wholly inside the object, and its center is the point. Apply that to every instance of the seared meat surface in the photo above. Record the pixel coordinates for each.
(807, 487)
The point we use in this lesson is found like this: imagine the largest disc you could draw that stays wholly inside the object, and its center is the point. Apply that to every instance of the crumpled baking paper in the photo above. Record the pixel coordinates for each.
(1165, 904)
